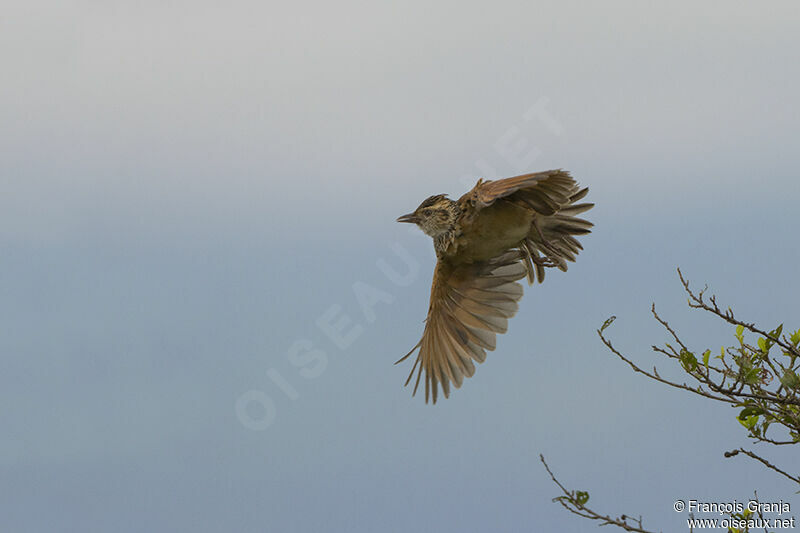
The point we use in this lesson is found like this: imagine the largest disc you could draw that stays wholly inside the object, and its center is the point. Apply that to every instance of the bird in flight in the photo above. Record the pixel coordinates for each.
(499, 232)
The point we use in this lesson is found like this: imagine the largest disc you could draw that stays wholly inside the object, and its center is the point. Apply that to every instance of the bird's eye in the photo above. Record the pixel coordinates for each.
(426, 212)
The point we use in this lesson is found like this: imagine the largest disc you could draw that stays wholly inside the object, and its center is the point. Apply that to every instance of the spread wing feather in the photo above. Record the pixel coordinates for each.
(470, 304)
(552, 196)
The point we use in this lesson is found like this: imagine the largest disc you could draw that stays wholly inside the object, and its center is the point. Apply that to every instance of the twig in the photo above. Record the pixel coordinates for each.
(570, 503)
(763, 461)
(654, 375)
(727, 316)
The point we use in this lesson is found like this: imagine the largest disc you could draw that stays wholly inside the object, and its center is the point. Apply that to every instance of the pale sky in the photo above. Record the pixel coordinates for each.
(187, 188)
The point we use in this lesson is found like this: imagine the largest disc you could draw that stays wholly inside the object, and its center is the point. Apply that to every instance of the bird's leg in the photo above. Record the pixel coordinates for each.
(543, 261)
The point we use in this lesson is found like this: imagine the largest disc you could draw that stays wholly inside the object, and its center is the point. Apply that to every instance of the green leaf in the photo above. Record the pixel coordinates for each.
(790, 380)
(749, 422)
(607, 323)
(752, 376)
(688, 360)
(762, 344)
(795, 337)
(776, 333)
(581, 497)
(706, 355)
(739, 331)
(752, 410)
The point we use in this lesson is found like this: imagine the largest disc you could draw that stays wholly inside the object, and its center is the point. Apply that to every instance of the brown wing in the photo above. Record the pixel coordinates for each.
(545, 191)
(552, 196)
(470, 304)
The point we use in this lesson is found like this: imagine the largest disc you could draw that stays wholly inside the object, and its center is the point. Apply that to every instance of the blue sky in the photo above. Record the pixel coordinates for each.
(188, 188)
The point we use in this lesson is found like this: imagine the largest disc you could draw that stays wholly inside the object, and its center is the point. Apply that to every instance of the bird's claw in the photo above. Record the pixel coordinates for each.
(544, 261)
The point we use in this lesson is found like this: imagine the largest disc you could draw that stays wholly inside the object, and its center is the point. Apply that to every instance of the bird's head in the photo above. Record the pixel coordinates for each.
(434, 216)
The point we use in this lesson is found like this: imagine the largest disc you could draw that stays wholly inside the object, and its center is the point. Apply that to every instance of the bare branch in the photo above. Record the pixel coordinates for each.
(570, 502)
(654, 375)
(727, 315)
(763, 461)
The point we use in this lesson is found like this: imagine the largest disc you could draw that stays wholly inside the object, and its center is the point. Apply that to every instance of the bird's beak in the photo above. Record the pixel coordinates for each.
(411, 217)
